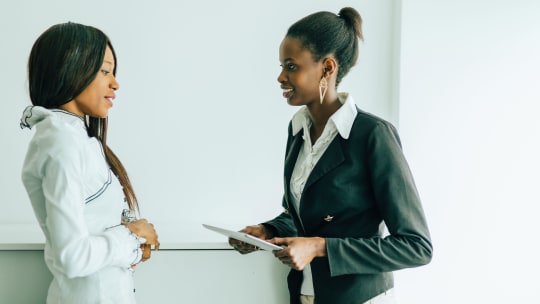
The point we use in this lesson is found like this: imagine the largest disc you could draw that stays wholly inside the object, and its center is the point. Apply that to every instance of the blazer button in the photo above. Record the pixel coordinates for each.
(286, 211)
(328, 218)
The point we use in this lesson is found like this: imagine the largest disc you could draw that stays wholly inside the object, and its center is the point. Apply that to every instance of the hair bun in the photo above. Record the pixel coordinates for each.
(353, 19)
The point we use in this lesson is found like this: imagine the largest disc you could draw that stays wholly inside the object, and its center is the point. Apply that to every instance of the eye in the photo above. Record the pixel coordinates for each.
(289, 66)
(105, 72)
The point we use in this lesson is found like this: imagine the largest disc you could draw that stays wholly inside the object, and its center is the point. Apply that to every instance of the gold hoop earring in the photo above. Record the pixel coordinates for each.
(323, 86)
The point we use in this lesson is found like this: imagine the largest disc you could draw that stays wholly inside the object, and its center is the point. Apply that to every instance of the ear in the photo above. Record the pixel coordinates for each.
(330, 66)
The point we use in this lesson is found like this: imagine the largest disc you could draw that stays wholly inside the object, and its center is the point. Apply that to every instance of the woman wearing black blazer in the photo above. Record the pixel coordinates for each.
(352, 214)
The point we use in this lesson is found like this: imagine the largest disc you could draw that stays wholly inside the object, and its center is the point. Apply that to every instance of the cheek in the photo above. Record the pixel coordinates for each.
(90, 94)
(308, 84)
(301, 80)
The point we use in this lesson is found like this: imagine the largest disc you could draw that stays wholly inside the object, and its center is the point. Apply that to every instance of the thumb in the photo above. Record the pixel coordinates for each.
(280, 241)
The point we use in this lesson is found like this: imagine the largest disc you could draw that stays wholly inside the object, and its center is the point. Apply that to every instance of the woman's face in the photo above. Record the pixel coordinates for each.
(300, 74)
(97, 98)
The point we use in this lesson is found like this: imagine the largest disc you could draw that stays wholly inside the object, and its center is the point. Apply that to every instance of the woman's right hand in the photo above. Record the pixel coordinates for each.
(256, 230)
(143, 229)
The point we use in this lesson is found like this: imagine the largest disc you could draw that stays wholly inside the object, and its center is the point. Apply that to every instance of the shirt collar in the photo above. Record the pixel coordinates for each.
(343, 118)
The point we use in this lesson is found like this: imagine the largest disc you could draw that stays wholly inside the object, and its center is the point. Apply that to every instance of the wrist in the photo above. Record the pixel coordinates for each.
(321, 247)
(267, 231)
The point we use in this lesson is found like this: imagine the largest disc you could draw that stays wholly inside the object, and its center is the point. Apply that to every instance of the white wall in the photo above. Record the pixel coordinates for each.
(199, 121)
(469, 103)
(469, 95)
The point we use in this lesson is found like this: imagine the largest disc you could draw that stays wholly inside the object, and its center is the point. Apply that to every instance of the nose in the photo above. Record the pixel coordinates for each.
(282, 76)
(114, 84)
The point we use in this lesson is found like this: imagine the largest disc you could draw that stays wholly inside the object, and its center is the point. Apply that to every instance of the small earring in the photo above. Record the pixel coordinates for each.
(323, 86)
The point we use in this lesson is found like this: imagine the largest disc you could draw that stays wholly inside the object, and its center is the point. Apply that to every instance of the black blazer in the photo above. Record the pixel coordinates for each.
(359, 184)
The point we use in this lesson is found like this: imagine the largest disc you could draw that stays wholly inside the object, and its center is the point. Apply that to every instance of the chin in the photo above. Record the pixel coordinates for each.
(291, 101)
(294, 103)
(103, 114)
(99, 115)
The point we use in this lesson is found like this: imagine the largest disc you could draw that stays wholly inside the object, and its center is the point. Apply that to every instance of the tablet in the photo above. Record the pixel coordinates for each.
(244, 237)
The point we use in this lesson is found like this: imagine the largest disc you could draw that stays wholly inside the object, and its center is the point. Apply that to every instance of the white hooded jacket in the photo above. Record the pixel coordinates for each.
(78, 203)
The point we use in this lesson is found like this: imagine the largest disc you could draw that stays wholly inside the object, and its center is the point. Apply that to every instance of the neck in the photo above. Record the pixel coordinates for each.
(320, 113)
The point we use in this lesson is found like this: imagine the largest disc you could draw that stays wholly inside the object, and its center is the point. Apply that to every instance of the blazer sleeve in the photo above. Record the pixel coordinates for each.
(396, 198)
(282, 225)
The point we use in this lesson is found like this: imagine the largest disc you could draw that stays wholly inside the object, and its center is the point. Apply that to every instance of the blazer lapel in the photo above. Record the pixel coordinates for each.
(290, 161)
(332, 157)
(290, 158)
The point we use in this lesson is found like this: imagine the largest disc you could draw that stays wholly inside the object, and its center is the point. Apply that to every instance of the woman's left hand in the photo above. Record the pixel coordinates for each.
(300, 251)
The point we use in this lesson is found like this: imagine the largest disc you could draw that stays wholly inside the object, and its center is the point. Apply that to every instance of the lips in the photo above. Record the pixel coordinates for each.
(287, 92)
(110, 98)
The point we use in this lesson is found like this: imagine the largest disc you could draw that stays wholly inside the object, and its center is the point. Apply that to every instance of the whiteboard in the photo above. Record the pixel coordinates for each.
(199, 121)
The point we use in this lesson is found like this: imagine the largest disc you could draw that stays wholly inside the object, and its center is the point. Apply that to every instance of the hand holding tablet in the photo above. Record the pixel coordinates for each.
(244, 237)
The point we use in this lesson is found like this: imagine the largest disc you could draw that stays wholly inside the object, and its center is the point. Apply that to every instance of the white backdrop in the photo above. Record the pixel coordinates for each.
(469, 104)
(199, 121)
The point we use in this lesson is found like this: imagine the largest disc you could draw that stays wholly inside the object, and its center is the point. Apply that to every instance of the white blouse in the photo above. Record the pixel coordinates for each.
(310, 154)
(78, 203)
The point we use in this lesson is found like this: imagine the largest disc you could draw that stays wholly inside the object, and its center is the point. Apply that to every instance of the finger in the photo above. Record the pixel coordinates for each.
(145, 252)
(280, 241)
(254, 230)
(245, 248)
(287, 263)
(248, 247)
(237, 245)
(285, 252)
(235, 242)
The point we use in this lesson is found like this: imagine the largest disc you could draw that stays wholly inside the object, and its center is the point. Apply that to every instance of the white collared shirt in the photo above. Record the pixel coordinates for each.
(339, 123)
(78, 203)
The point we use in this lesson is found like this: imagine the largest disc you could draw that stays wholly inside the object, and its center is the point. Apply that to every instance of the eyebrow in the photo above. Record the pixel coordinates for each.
(112, 66)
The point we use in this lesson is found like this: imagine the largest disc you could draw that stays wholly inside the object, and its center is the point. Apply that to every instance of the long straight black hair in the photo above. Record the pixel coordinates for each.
(64, 60)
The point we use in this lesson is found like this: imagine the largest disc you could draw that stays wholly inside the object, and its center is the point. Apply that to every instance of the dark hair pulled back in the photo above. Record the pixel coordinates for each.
(325, 33)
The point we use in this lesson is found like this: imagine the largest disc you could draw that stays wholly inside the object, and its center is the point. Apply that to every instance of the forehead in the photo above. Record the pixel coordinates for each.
(292, 49)
(109, 57)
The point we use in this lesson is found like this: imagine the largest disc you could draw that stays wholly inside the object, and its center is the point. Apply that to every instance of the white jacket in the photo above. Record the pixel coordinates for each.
(78, 203)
